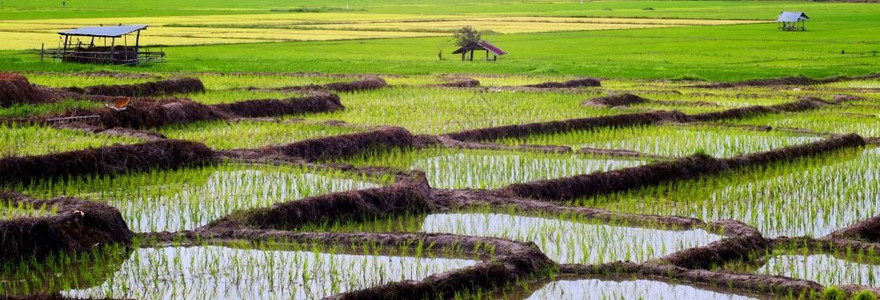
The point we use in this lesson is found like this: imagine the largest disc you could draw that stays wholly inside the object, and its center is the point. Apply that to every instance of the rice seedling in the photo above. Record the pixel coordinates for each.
(437, 110)
(861, 119)
(22, 140)
(24, 210)
(211, 272)
(189, 198)
(670, 140)
(825, 269)
(807, 197)
(628, 288)
(447, 168)
(250, 134)
(30, 110)
(567, 239)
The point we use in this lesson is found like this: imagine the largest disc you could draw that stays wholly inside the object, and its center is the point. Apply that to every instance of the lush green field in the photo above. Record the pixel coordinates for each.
(840, 40)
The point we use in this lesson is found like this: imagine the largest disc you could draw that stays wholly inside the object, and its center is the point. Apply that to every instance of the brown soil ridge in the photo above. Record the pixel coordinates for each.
(796, 80)
(778, 285)
(574, 83)
(368, 83)
(143, 114)
(459, 83)
(503, 262)
(105, 161)
(625, 99)
(454, 200)
(156, 88)
(317, 102)
(346, 145)
(867, 230)
(408, 197)
(752, 111)
(77, 226)
(516, 131)
(587, 185)
(16, 89)
(715, 254)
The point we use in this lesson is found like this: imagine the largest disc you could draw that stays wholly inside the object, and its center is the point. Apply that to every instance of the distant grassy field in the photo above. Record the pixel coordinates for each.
(405, 37)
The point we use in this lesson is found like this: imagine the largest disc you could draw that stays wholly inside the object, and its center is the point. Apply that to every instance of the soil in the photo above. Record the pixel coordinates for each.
(346, 145)
(574, 83)
(77, 226)
(105, 161)
(157, 88)
(625, 99)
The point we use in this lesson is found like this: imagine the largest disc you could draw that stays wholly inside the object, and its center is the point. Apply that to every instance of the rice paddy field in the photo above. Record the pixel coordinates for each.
(324, 150)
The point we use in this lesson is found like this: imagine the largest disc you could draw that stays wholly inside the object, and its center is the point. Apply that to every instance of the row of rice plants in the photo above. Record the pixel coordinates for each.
(189, 198)
(22, 140)
(250, 134)
(455, 168)
(670, 140)
(25, 110)
(241, 270)
(25, 210)
(861, 119)
(811, 196)
(438, 110)
(565, 238)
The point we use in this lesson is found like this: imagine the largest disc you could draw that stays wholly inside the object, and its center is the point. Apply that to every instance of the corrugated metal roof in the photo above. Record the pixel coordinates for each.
(788, 16)
(492, 48)
(481, 45)
(104, 31)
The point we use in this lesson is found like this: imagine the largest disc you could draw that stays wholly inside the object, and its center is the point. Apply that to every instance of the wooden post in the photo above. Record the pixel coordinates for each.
(42, 50)
(463, 53)
(487, 55)
(472, 54)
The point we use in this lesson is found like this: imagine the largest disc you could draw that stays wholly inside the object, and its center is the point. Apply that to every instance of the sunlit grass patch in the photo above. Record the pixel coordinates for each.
(250, 134)
(448, 168)
(811, 196)
(189, 198)
(671, 140)
(22, 140)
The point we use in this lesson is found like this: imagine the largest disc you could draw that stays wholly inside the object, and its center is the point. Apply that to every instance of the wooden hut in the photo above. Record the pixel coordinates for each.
(104, 45)
(479, 46)
(792, 21)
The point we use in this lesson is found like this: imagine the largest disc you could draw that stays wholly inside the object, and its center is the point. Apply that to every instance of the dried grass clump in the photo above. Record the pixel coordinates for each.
(164, 87)
(77, 225)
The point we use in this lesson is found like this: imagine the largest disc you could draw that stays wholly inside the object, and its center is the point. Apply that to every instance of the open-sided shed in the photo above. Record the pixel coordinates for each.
(104, 45)
(480, 46)
(792, 21)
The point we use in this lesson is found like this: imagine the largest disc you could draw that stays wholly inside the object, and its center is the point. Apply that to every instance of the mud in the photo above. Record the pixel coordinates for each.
(142, 114)
(77, 226)
(410, 197)
(798, 80)
(156, 88)
(574, 83)
(516, 131)
(346, 145)
(625, 99)
(370, 83)
(104, 161)
(317, 102)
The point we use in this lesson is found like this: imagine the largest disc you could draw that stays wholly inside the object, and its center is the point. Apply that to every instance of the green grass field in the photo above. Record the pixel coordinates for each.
(308, 194)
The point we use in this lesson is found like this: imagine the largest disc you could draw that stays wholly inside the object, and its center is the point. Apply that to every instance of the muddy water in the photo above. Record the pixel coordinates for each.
(572, 242)
(824, 269)
(475, 170)
(624, 289)
(213, 272)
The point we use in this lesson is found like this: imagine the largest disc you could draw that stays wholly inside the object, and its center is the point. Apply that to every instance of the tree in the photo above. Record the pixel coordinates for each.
(467, 35)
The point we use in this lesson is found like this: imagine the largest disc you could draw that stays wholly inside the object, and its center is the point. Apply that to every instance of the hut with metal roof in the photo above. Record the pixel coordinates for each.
(792, 21)
(479, 46)
(104, 45)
